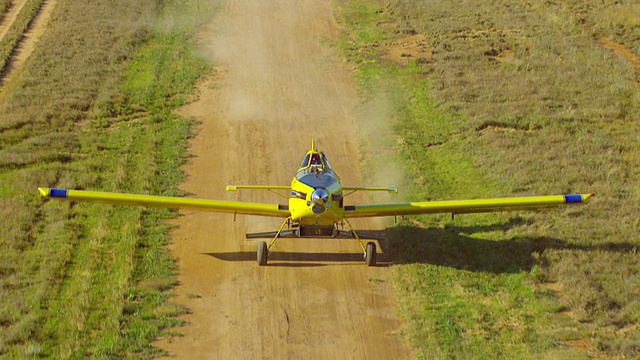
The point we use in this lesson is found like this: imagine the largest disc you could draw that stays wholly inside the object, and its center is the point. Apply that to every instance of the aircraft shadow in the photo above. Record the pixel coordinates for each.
(452, 247)
(300, 259)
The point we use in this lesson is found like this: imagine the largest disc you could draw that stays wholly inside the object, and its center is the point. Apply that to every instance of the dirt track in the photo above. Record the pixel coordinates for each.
(28, 42)
(276, 87)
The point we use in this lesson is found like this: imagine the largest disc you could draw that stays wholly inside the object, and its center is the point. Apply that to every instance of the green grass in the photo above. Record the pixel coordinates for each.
(93, 109)
(5, 5)
(516, 99)
(466, 315)
(16, 32)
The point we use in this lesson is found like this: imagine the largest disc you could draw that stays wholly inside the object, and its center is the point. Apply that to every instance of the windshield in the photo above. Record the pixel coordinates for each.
(326, 162)
(305, 162)
(315, 159)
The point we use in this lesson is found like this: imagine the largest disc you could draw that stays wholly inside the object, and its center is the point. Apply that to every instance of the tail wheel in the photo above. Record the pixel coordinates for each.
(370, 254)
(263, 253)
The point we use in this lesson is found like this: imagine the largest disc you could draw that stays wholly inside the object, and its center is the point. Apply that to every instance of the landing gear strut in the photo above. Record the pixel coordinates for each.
(263, 249)
(369, 250)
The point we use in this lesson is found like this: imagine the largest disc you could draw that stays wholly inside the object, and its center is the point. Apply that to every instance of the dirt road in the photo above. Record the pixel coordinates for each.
(276, 86)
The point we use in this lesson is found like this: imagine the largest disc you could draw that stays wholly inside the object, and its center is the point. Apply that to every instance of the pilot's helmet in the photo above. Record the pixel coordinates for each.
(315, 159)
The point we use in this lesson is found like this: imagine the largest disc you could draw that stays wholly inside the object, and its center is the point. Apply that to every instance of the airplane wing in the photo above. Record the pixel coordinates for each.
(464, 206)
(236, 207)
(258, 187)
(370, 188)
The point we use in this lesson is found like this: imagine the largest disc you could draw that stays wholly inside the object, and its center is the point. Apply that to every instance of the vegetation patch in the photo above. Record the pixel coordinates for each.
(520, 99)
(5, 5)
(93, 109)
(502, 126)
(15, 34)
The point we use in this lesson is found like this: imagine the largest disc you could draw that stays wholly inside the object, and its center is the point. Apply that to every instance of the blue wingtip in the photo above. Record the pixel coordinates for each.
(58, 193)
(573, 199)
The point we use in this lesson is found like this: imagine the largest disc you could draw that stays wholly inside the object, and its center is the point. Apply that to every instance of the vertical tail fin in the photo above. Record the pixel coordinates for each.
(313, 147)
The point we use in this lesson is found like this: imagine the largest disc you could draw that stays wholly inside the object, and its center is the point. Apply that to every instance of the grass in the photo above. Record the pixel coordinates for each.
(15, 33)
(516, 99)
(93, 109)
(513, 99)
(5, 5)
(476, 314)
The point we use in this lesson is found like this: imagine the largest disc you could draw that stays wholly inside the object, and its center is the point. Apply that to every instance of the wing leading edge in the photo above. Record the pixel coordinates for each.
(236, 207)
(464, 206)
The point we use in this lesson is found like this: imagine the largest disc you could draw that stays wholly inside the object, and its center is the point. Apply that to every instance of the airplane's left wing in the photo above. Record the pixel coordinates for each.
(236, 207)
(464, 206)
(371, 188)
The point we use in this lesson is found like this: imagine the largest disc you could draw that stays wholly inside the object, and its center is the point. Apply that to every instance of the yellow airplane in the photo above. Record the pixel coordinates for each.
(316, 207)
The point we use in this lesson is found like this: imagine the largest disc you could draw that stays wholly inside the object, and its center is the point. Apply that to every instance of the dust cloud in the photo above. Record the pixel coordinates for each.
(275, 87)
(381, 165)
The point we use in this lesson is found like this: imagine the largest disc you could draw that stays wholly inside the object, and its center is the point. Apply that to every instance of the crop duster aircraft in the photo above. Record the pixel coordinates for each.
(316, 207)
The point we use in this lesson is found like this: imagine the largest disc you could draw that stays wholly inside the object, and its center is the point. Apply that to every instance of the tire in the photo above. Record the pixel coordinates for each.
(263, 253)
(370, 254)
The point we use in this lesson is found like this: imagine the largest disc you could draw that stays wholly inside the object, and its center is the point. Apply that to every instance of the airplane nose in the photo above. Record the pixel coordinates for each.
(320, 197)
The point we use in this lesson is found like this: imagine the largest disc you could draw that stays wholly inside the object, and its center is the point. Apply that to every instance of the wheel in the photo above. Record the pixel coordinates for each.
(370, 254)
(263, 253)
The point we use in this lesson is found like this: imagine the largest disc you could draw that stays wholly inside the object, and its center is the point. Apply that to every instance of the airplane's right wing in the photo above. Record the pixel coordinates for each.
(236, 207)
(258, 187)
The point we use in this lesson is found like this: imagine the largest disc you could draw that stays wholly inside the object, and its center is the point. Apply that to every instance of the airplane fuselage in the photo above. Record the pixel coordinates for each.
(316, 197)
(316, 193)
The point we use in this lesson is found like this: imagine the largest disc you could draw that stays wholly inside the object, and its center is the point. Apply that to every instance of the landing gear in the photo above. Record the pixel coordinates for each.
(370, 254)
(369, 250)
(263, 248)
(263, 253)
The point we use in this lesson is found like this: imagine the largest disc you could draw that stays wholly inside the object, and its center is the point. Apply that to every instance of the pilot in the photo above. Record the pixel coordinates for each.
(315, 159)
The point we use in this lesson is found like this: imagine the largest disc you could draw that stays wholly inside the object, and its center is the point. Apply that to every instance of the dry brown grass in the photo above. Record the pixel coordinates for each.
(523, 99)
(4, 7)
(54, 266)
(18, 28)
(72, 272)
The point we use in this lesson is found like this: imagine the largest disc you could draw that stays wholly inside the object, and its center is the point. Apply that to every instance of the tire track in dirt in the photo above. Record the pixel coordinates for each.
(610, 44)
(620, 50)
(29, 41)
(275, 88)
(10, 17)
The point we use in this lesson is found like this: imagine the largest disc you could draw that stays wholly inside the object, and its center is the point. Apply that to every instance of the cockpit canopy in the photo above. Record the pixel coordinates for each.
(315, 175)
(315, 160)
